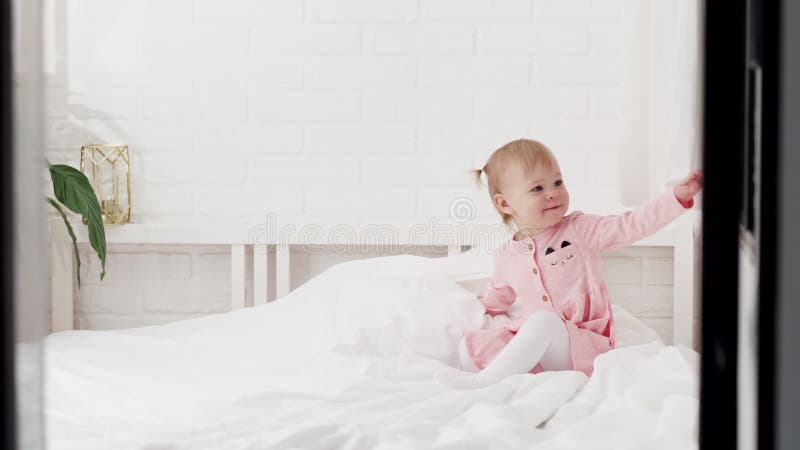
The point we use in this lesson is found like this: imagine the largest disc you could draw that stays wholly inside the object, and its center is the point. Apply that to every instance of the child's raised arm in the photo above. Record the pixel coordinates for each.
(497, 296)
(609, 232)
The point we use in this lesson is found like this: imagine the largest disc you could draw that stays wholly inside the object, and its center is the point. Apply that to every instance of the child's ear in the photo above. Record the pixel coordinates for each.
(501, 203)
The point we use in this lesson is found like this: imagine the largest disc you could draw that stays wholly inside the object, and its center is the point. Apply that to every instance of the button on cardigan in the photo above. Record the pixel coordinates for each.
(560, 270)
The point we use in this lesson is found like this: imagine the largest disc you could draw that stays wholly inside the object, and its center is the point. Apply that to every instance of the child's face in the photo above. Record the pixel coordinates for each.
(539, 199)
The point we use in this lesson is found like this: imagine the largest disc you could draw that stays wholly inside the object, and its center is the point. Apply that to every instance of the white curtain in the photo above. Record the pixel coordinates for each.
(662, 84)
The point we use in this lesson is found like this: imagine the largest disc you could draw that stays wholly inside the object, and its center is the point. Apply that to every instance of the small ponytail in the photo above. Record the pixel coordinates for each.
(477, 174)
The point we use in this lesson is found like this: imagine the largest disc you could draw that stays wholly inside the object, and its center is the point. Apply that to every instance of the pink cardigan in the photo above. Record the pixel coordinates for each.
(560, 270)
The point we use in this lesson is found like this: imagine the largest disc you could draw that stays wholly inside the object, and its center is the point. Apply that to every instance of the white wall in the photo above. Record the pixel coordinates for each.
(326, 110)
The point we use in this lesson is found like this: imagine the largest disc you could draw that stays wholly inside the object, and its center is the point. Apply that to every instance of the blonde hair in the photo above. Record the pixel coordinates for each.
(525, 152)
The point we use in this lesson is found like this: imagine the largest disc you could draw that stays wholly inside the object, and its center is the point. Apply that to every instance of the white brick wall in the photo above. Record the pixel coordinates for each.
(331, 110)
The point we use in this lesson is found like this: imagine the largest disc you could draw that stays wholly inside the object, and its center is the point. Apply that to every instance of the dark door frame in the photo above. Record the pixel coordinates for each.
(8, 438)
(723, 150)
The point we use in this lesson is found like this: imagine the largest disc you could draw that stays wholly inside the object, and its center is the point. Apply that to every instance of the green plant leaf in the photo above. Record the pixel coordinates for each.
(74, 191)
(71, 235)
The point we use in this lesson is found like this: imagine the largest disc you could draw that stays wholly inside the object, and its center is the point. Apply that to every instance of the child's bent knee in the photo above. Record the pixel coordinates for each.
(543, 316)
(544, 319)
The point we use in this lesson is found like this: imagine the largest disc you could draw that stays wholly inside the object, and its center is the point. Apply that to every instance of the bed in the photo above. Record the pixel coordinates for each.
(346, 361)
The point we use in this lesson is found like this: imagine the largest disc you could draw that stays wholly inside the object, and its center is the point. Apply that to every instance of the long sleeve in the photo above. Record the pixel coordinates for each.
(497, 296)
(610, 232)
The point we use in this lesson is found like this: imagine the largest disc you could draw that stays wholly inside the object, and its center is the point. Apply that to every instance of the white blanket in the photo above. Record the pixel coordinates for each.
(346, 361)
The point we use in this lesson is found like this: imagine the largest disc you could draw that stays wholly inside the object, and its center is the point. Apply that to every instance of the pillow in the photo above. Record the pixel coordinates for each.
(396, 314)
(630, 330)
(472, 269)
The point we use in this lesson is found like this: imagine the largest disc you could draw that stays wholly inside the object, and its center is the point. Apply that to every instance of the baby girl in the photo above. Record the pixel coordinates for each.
(552, 267)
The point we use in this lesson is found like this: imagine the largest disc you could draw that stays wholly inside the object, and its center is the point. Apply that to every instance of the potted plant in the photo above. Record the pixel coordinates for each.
(73, 190)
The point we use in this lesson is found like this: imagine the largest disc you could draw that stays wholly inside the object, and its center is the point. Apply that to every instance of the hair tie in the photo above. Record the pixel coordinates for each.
(479, 163)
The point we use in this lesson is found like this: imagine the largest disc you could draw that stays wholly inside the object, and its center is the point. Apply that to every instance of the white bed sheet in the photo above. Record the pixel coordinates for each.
(346, 361)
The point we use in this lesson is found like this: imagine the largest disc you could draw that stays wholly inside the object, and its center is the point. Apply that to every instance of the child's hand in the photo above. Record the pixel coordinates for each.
(689, 187)
(486, 311)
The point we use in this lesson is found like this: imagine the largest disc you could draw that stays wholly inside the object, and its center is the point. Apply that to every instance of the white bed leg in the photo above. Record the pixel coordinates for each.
(281, 270)
(259, 275)
(237, 276)
(683, 287)
(62, 263)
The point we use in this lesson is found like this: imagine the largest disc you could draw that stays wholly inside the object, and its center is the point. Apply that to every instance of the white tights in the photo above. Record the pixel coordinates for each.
(542, 339)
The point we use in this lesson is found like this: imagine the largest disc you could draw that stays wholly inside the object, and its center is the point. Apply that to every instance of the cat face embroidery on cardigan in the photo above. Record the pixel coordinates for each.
(563, 273)
(564, 255)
